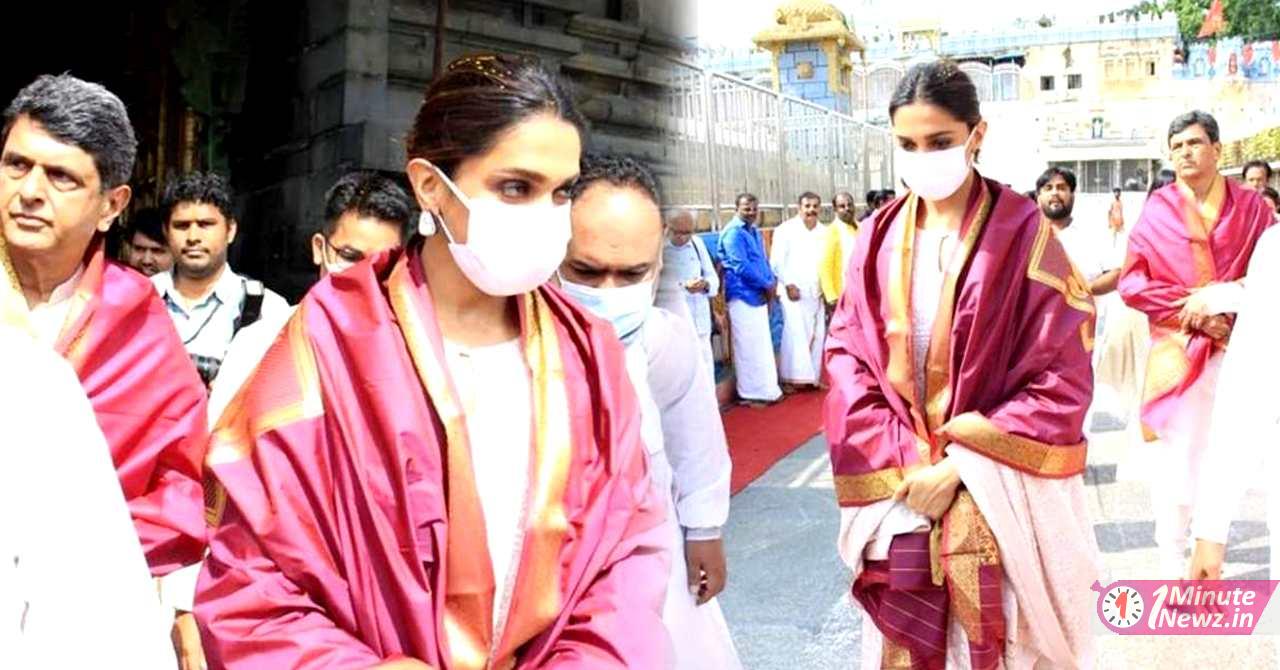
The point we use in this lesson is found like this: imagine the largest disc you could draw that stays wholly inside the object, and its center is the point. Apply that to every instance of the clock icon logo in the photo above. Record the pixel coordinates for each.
(1122, 607)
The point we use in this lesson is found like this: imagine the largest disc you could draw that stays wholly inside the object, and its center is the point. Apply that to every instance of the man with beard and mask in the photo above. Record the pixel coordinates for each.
(795, 258)
(209, 303)
(1056, 196)
(613, 261)
(837, 247)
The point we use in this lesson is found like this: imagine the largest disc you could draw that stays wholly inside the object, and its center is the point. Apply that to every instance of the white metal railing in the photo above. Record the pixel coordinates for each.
(727, 136)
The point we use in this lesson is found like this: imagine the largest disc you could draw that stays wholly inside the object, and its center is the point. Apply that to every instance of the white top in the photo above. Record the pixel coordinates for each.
(75, 591)
(928, 273)
(683, 264)
(795, 255)
(496, 390)
(1245, 427)
(206, 326)
(1093, 252)
(48, 318)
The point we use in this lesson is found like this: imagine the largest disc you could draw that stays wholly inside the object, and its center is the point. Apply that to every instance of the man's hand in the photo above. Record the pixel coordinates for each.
(793, 292)
(704, 560)
(1207, 560)
(186, 642)
(1217, 327)
(1195, 309)
(771, 292)
(698, 285)
(930, 490)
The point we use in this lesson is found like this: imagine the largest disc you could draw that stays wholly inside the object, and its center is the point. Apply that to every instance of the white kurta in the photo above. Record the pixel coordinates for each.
(496, 390)
(1245, 425)
(680, 425)
(75, 591)
(681, 265)
(795, 256)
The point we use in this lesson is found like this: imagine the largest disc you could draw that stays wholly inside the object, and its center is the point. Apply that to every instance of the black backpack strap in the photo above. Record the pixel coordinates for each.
(251, 308)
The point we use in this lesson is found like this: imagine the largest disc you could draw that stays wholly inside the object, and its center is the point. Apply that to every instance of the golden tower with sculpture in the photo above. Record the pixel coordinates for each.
(812, 45)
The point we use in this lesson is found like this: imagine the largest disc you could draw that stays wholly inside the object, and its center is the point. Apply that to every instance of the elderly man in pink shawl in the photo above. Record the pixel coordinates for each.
(1186, 260)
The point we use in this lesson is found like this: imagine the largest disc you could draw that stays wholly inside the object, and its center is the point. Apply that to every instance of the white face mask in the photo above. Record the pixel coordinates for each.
(510, 249)
(626, 307)
(933, 175)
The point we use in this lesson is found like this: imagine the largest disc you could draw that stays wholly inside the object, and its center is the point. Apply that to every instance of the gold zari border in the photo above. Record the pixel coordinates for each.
(978, 433)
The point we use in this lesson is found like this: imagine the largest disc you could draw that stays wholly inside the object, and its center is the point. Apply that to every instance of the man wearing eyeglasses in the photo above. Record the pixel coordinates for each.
(364, 213)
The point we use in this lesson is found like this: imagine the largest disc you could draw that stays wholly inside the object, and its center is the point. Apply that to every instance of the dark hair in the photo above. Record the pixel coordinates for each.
(198, 187)
(943, 84)
(873, 196)
(1031, 195)
(1194, 118)
(367, 194)
(1162, 179)
(477, 98)
(1266, 168)
(885, 196)
(148, 222)
(1269, 192)
(1055, 171)
(1115, 190)
(847, 195)
(82, 114)
(808, 195)
(617, 171)
(749, 197)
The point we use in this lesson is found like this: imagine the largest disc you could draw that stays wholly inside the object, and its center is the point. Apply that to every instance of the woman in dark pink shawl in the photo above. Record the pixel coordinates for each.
(960, 374)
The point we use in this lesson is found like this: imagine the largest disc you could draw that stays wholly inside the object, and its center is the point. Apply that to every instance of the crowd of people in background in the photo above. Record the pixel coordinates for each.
(335, 483)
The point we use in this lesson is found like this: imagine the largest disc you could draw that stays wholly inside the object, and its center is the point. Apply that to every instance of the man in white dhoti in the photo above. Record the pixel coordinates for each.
(689, 277)
(1245, 425)
(749, 285)
(75, 591)
(795, 259)
(611, 268)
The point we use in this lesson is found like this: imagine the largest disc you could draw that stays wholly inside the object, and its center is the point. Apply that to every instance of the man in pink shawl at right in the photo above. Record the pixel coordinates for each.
(1184, 269)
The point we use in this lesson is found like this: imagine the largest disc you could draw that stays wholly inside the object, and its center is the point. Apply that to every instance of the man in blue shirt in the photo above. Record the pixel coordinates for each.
(749, 286)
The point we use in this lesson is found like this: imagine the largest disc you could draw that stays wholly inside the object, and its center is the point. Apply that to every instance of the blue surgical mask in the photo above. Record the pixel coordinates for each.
(626, 307)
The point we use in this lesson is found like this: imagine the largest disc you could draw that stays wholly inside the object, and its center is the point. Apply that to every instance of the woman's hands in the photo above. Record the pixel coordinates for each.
(930, 490)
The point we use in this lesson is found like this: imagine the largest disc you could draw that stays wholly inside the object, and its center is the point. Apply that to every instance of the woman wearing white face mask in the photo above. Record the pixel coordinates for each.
(959, 368)
(439, 464)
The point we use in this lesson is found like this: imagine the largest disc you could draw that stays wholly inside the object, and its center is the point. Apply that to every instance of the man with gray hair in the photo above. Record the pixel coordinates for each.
(68, 151)
(688, 281)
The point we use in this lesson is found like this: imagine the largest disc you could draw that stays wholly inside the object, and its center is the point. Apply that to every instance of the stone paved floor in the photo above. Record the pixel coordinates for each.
(787, 602)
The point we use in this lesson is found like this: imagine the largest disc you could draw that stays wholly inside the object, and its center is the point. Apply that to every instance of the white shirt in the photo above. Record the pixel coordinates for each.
(1092, 252)
(60, 504)
(681, 265)
(207, 325)
(795, 255)
(690, 430)
(49, 317)
(496, 390)
(243, 355)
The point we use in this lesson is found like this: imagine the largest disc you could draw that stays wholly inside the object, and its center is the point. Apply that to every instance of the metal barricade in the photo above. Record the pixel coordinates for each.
(727, 136)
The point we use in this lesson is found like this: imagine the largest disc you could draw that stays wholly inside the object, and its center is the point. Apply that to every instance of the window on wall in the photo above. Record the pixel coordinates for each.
(1046, 83)
(1074, 80)
(1151, 68)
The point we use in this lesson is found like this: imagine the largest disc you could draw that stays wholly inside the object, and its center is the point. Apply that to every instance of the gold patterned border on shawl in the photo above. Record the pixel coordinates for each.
(469, 580)
(1200, 220)
(937, 391)
(270, 401)
(1073, 287)
(867, 488)
(535, 600)
(978, 433)
(967, 545)
(1167, 364)
(897, 331)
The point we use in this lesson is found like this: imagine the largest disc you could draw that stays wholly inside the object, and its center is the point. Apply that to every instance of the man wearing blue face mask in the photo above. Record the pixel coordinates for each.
(611, 267)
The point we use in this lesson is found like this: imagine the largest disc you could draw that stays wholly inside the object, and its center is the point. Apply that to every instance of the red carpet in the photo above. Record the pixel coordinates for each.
(760, 437)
